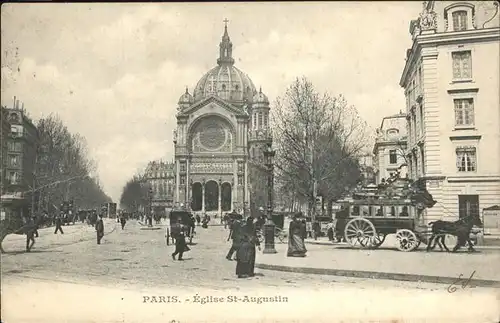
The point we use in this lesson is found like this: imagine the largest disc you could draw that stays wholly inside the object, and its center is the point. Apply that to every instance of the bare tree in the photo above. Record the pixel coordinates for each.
(319, 139)
(134, 194)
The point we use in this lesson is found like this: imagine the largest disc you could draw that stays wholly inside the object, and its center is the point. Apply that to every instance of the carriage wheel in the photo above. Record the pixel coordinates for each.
(360, 232)
(407, 239)
(377, 240)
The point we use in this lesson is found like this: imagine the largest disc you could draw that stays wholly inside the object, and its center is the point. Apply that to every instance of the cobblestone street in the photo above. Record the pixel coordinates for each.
(141, 257)
(132, 263)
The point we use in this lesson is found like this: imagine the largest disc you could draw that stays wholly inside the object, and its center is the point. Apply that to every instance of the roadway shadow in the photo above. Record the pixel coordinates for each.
(17, 252)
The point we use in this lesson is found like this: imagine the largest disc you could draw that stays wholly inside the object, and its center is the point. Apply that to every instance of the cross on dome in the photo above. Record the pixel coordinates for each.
(226, 48)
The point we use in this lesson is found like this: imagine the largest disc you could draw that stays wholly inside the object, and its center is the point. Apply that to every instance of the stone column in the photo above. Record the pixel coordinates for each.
(246, 197)
(235, 183)
(203, 196)
(177, 181)
(220, 198)
(188, 186)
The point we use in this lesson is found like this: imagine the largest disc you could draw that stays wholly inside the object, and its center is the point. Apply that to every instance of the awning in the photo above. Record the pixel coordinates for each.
(13, 198)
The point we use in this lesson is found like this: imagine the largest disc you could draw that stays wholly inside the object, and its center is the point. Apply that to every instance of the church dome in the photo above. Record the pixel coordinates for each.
(186, 98)
(260, 98)
(225, 80)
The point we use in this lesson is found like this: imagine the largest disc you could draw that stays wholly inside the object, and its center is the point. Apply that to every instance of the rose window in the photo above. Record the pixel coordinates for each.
(212, 135)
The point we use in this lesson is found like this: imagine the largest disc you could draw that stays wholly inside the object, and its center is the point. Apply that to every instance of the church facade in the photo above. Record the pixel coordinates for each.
(222, 132)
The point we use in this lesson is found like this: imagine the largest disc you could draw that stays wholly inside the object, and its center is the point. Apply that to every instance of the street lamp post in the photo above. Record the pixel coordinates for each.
(269, 226)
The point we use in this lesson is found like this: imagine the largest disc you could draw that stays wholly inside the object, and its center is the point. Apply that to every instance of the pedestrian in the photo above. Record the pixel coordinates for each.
(205, 221)
(245, 255)
(30, 234)
(329, 230)
(198, 219)
(36, 221)
(99, 228)
(122, 221)
(58, 221)
(296, 246)
(234, 234)
(180, 240)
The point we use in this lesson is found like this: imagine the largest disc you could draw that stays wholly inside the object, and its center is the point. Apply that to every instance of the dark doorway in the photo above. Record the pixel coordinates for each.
(211, 196)
(226, 196)
(468, 205)
(197, 197)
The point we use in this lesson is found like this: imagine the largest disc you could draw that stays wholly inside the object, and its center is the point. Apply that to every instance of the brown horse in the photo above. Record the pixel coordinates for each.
(460, 229)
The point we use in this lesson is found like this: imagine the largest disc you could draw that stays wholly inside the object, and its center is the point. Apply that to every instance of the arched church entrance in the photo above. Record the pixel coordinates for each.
(211, 196)
(197, 197)
(226, 197)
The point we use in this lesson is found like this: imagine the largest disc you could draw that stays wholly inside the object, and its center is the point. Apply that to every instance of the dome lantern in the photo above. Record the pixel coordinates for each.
(225, 80)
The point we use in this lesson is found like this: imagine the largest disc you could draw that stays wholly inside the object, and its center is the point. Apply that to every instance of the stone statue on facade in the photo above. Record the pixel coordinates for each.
(175, 136)
(428, 20)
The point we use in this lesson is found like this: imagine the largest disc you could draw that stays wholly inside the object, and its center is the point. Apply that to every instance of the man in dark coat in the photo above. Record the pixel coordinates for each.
(123, 220)
(235, 234)
(180, 239)
(99, 228)
(59, 223)
(30, 234)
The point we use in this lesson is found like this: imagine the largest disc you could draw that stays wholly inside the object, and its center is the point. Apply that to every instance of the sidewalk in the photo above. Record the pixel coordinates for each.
(47, 239)
(489, 243)
(385, 263)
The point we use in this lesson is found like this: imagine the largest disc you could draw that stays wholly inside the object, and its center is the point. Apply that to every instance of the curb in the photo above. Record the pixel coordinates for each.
(328, 243)
(383, 275)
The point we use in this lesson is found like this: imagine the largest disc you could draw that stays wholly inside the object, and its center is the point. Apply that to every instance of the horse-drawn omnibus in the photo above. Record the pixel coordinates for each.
(370, 215)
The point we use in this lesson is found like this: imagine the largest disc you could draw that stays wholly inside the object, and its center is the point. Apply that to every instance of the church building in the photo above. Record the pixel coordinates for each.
(222, 132)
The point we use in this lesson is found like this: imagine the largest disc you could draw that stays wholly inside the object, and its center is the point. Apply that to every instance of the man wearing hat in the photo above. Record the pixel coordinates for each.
(235, 234)
(99, 228)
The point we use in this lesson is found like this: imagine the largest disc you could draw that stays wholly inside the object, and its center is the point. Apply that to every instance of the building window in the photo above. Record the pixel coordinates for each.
(459, 20)
(462, 63)
(14, 146)
(260, 120)
(464, 112)
(393, 157)
(14, 177)
(466, 159)
(265, 120)
(422, 159)
(13, 161)
(254, 121)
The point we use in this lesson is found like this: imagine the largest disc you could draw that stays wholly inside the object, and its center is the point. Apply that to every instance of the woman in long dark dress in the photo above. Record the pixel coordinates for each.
(245, 255)
(296, 246)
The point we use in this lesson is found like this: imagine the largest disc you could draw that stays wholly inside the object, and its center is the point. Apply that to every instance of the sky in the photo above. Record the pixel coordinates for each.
(114, 72)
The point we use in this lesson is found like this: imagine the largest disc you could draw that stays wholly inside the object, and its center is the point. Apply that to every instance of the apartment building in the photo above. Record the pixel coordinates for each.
(451, 83)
